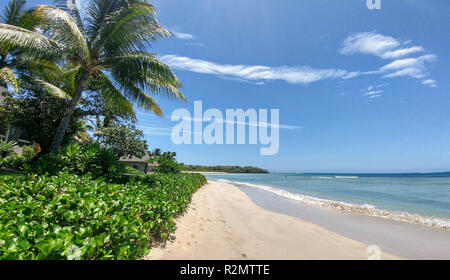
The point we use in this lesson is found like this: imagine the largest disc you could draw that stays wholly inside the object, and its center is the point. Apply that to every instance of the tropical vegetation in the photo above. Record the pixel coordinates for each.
(74, 81)
(104, 51)
(75, 217)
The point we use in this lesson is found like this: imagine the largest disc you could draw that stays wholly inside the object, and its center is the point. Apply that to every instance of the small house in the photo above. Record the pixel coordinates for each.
(140, 164)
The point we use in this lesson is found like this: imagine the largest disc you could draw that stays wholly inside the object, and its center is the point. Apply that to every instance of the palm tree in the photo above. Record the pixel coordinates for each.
(13, 14)
(17, 60)
(107, 47)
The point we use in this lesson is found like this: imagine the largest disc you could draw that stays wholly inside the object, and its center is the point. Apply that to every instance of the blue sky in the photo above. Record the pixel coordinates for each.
(368, 90)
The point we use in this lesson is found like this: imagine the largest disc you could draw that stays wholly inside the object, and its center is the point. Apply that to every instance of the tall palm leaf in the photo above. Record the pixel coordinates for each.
(13, 12)
(109, 45)
(17, 38)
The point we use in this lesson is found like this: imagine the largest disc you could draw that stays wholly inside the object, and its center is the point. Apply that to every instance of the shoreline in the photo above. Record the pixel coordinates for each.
(368, 210)
(223, 222)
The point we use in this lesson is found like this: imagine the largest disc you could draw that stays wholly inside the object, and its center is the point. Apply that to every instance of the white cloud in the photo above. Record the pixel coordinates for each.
(257, 73)
(247, 123)
(413, 67)
(382, 46)
(369, 43)
(402, 52)
(373, 92)
(430, 82)
(387, 47)
(183, 36)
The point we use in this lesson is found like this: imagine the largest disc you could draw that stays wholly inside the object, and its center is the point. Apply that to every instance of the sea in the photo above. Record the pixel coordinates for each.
(414, 197)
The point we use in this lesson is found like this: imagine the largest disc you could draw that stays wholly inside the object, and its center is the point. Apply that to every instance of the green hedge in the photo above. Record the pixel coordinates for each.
(72, 217)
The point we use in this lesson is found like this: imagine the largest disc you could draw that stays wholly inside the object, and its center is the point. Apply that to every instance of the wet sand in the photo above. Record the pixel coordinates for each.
(406, 240)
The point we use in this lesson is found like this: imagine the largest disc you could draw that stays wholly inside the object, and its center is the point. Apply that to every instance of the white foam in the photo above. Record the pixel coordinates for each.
(365, 209)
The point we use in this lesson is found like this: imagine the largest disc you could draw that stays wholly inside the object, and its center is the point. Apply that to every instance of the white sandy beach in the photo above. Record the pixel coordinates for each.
(222, 222)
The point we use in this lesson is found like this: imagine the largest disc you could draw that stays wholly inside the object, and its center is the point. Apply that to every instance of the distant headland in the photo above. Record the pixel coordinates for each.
(223, 168)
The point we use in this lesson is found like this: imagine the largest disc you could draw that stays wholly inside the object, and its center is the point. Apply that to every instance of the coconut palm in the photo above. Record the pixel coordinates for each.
(107, 47)
(13, 14)
(18, 60)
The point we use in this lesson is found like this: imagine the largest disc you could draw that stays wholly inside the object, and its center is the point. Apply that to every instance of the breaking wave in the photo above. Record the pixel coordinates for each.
(364, 209)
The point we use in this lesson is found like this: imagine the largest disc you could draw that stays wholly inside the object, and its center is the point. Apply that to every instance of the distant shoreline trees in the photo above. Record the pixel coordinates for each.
(226, 169)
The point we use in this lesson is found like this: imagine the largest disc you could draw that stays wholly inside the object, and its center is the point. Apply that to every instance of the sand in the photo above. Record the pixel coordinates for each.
(222, 222)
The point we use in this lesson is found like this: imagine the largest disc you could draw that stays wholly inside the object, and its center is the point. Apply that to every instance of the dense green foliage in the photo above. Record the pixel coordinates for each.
(227, 169)
(167, 165)
(6, 148)
(71, 217)
(88, 159)
(133, 171)
(9, 159)
(122, 140)
(38, 115)
(10, 174)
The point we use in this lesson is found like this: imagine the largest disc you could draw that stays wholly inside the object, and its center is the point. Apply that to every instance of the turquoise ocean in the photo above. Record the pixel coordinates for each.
(418, 193)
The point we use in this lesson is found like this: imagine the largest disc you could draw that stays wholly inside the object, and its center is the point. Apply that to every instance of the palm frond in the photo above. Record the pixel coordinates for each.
(139, 97)
(113, 97)
(146, 71)
(54, 17)
(45, 69)
(132, 26)
(53, 90)
(70, 6)
(7, 76)
(70, 79)
(13, 12)
(34, 42)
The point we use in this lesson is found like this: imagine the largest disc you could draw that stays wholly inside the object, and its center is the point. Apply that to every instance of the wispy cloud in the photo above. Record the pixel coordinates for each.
(387, 47)
(373, 91)
(195, 44)
(382, 46)
(150, 129)
(404, 61)
(257, 124)
(257, 73)
(413, 67)
(183, 36)
(430, 82)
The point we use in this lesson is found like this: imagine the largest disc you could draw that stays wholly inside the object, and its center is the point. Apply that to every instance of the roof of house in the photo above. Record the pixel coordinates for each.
(136, 159)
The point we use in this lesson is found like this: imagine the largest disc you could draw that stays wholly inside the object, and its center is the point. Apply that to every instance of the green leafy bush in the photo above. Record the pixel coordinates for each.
(78, 159)
(14, 161)
(19, 162)
(29, 153)
(6, 148)
(72, 217)
(167, 165)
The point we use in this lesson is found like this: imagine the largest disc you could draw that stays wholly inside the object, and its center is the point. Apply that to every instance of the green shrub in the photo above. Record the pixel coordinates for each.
(29, 153)
(167, 165)
(90, 159)
(133, 171)
(14, 161)
(72, 217)
(7, 148)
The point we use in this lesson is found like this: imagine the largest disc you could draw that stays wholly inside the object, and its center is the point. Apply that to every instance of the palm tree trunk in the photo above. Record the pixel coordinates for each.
(59, 136)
